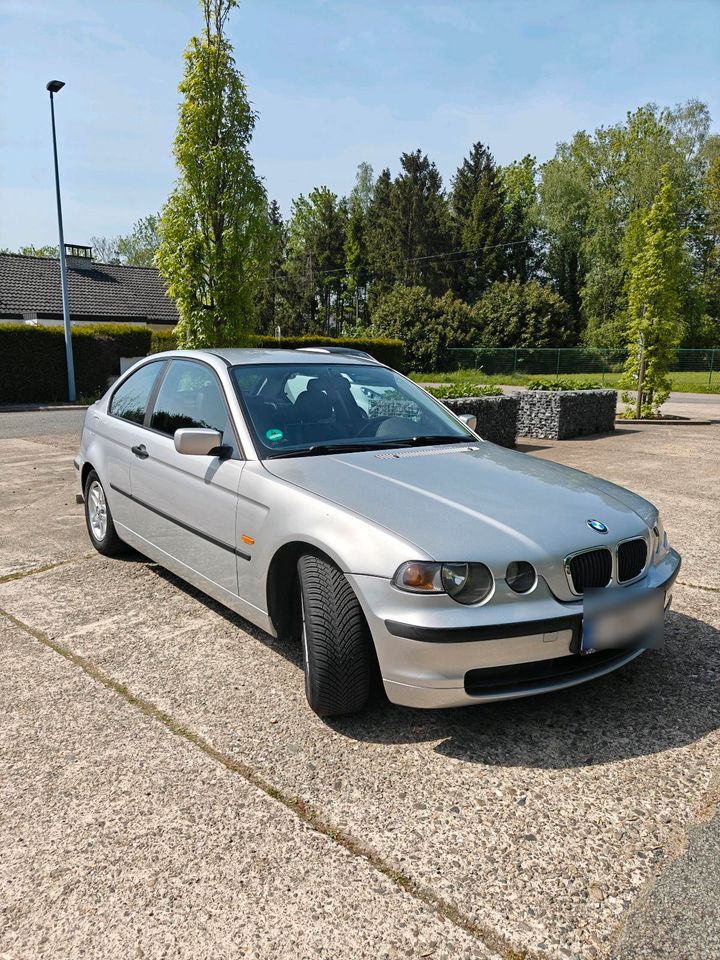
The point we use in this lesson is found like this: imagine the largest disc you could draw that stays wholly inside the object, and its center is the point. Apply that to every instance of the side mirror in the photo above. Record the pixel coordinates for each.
(469, 419)
(196, 442)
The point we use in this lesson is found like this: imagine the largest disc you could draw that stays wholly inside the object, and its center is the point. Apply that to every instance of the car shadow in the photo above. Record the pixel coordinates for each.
(286, 648)
(524, 445)
(620, 430)
(130, 555)
(663, 700)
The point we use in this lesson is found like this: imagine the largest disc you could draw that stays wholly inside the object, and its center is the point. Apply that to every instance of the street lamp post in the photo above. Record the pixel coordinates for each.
(53, 87)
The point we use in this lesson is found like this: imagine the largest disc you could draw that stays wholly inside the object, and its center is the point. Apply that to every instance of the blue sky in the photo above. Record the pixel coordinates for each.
(335, 82)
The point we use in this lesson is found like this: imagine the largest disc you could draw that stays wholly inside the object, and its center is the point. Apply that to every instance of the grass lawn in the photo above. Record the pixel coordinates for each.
(688, 381)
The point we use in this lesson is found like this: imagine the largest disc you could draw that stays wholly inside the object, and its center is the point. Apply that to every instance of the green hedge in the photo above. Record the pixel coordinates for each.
(386, 351)
(32, 360)
(162, 340)
(464, 388)
(564, 383)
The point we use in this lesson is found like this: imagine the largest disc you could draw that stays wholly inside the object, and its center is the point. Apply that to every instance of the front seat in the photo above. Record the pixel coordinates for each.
(313, 403)
(346, 406)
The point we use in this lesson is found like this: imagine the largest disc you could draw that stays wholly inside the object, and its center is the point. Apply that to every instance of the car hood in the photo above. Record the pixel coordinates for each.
(474, 502)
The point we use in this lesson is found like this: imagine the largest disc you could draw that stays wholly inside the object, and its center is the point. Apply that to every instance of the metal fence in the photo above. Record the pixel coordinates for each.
(573, 360)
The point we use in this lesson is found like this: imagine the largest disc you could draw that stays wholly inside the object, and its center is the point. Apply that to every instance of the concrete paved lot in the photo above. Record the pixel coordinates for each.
(165, 791)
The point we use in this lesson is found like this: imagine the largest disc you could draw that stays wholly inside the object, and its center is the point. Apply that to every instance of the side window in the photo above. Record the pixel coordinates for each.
(190, 396)
(130, 399)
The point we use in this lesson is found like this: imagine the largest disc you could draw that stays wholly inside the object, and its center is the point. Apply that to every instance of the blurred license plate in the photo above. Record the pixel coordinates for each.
(611, 619)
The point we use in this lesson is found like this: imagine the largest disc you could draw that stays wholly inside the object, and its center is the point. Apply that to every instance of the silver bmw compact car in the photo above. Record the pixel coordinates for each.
(326, 498)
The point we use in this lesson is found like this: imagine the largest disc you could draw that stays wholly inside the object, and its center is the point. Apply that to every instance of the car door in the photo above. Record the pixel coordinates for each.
(188, 504)
(121, 431)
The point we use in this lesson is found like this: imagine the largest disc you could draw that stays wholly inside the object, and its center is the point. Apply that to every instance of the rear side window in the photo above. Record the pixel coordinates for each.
(190, 396)
(129, 402)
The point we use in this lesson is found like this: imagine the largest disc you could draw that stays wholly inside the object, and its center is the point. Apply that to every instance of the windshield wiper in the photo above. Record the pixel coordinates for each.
(321, 449)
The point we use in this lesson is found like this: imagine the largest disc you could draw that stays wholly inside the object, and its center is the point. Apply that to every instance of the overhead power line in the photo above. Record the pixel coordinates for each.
(456, 254)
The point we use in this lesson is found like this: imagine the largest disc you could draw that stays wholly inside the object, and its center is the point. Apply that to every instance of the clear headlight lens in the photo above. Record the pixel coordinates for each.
(661, 538)
(521, 576)
(465, 582)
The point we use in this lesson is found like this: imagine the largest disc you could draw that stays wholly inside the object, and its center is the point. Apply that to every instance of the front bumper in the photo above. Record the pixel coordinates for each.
(432, 651)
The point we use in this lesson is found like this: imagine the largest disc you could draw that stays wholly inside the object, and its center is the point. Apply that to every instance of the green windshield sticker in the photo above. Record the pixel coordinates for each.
(274, 435)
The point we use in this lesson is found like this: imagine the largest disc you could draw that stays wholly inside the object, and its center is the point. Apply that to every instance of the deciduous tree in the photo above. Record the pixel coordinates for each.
(105, 249)
(214, 227)
(519, 183)
(654, 313)
(139, 247)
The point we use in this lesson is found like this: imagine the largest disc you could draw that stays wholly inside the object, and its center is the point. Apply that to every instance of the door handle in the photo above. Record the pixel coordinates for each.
(140, 451)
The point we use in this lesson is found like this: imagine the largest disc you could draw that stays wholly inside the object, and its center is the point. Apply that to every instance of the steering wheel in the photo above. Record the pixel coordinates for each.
(369, 429)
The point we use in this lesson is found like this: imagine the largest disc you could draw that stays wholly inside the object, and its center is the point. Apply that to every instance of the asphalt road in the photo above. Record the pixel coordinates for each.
(680, 917)
(41, 423)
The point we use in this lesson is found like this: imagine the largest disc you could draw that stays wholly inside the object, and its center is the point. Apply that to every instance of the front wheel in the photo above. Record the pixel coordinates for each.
(338, 655)
(99, 519)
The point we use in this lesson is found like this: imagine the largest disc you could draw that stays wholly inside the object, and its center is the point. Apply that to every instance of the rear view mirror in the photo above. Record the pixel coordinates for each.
(469, 420)
(197, 442)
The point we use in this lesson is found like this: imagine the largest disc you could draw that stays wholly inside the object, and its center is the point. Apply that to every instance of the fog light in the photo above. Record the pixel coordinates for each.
(521, 576)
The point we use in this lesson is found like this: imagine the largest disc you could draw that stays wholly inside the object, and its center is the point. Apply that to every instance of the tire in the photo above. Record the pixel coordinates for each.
(338, 655)
(98, 519)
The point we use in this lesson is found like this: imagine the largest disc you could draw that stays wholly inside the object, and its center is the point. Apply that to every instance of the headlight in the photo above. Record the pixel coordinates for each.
(467, 583)
(661, 538)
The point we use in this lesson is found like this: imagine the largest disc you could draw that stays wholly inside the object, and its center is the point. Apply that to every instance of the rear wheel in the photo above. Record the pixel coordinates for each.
(338, 655)
(99, 518)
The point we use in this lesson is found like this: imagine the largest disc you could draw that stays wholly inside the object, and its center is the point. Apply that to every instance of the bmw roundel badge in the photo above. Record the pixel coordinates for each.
(597, 525)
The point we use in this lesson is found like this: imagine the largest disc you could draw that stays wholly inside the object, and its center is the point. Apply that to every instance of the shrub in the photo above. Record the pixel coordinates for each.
(426, 325)
(565, 383)
(32, 359)
(516, 314)
(451, 391)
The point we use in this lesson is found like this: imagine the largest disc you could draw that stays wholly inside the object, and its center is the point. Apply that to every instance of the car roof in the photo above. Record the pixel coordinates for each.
(236, 356)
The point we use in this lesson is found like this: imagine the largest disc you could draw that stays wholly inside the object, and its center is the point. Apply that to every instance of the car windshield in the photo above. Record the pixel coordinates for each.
(313, 409)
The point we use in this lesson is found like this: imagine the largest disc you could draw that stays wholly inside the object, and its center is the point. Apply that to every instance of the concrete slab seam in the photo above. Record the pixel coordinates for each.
(21, 574)
(302, 810)
(697, 586)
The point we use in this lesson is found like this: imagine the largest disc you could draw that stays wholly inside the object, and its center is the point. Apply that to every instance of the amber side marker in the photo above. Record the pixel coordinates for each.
(247, 539)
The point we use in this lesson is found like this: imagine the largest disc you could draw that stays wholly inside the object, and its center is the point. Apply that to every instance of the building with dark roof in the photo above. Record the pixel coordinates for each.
(30, 291)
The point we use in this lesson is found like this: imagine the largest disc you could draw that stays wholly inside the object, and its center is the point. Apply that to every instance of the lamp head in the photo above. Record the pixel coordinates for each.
(55, 85)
